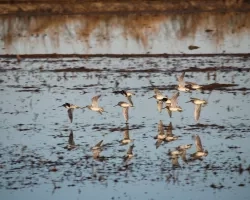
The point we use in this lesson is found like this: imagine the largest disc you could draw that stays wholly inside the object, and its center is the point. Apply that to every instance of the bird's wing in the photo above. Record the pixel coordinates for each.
(169, 130)
(169, 112)
(174, 99)
(181, 80)
(198, 144)
(125, 113)
(157, 92)
(70, 114)
(99, 144)
(158, 143)
(183, 156)
(159, 106)
(160, 128)
(95, 101)
(130, 100)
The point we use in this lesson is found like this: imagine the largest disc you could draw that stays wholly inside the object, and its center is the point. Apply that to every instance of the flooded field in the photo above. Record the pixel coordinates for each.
(45, 156)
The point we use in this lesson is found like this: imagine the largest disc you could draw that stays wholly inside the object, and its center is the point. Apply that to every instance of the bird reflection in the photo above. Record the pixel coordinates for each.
(169, 134)
(71, 143)
(200, 152)
(161, 135)
(126, 139)
(129, 153)
(175, 162)
(96, 150)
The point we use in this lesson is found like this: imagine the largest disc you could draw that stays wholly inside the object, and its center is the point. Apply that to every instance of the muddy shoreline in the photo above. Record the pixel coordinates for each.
(117, 55)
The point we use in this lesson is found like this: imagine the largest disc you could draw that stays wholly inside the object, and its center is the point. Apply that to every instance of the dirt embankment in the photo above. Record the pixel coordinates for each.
(69, 7)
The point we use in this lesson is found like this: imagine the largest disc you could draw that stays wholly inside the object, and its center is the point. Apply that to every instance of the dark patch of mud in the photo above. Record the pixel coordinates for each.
(222, 69)
(217, 86)
(79, 69)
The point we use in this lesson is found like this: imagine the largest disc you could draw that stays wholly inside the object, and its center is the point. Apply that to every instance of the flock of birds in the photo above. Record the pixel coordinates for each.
(171, 105)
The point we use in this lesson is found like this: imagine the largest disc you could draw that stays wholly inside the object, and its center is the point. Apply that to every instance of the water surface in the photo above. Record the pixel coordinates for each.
(35, 130)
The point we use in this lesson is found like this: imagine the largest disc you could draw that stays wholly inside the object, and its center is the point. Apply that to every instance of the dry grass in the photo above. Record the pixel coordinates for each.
(41, 7)
(139, 27)
(104, 17)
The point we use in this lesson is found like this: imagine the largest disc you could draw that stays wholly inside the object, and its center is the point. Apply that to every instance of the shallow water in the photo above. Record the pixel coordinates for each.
(35, 130)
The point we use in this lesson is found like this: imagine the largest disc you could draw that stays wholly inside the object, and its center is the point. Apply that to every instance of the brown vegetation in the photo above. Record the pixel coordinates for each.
(140, 20)
(45, 7)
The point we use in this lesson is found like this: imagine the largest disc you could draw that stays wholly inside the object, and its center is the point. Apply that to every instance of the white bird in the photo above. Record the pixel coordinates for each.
(125, 106)
(94, 106)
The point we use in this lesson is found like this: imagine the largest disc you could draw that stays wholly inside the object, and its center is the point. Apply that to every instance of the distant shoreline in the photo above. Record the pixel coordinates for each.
(14, 56)
(117, 7)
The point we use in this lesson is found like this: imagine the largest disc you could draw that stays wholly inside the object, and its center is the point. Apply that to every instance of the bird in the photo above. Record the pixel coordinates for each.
(193, 86)
(181, 84)
(161, 135)
(127, 94)
(197, 101)
(174, 153)
(169, 134)
(200, 152)
(125, 106)
(126, 139)
(129, 154)
(94, 105)
(173, 106)
(184, 147)
(158, 95)
(97, 149)
(70, 108)
(168, 102)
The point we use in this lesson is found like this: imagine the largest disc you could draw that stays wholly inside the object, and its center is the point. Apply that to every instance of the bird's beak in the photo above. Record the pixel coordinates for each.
(115, 105)
(188, 101)
(150, 97)
(60, 106)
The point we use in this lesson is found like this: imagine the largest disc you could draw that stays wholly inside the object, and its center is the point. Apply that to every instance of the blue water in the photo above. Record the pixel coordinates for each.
(34, 130)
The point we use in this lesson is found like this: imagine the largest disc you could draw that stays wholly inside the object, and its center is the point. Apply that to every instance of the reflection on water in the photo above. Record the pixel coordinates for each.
(213, 32)
(106, 153)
